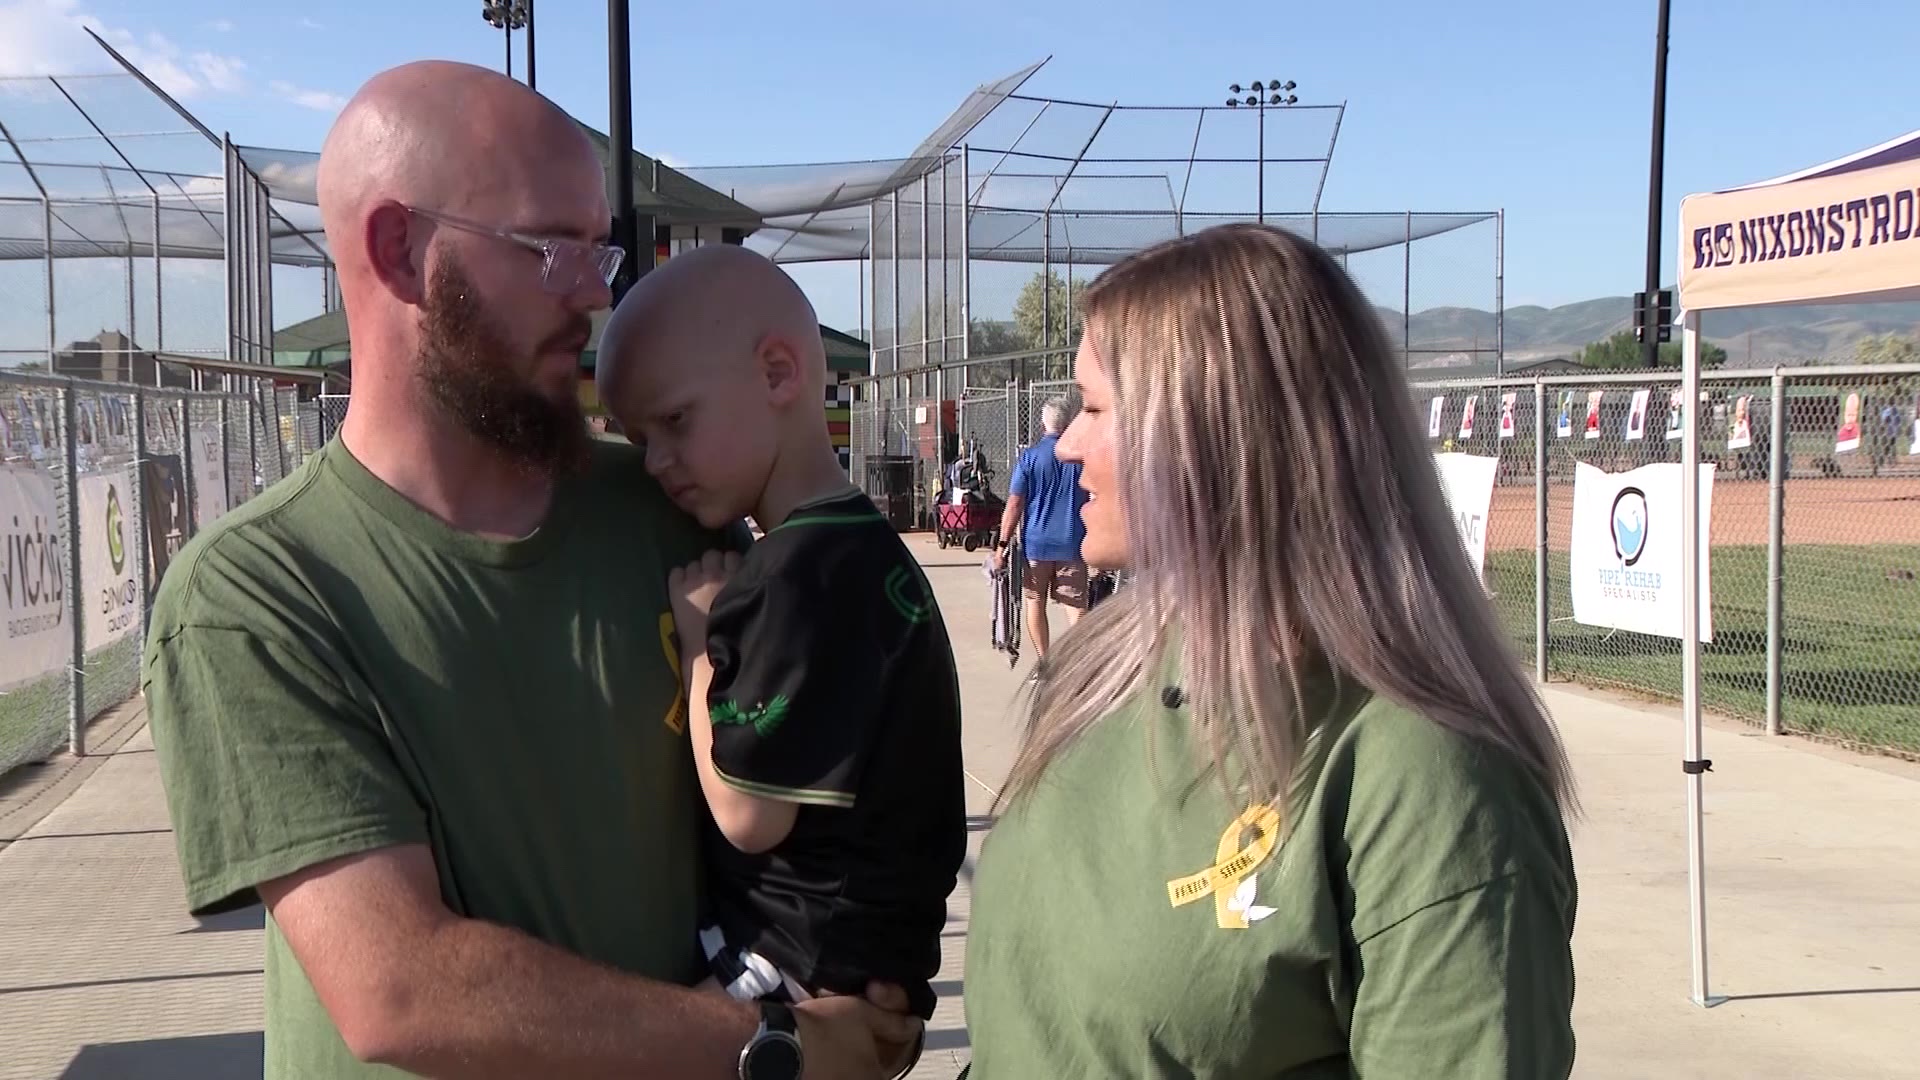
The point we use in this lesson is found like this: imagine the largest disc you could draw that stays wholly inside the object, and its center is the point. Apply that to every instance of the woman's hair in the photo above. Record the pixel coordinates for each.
(1282, 511)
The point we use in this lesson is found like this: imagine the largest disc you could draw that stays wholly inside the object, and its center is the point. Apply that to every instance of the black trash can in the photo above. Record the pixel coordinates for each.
(890, 486)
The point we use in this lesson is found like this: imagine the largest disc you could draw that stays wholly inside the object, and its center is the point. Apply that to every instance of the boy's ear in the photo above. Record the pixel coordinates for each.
(780, 367)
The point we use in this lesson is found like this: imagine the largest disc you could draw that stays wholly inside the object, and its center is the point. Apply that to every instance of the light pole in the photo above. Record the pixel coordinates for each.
(626, 226)
(508, 16)
(1270, 93)
(1651, 307)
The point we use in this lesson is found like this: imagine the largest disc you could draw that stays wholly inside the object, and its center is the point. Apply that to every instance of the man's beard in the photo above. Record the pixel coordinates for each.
(464, 368)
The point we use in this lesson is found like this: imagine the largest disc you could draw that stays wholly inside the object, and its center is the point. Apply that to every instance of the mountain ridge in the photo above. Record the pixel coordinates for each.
(1813, 333)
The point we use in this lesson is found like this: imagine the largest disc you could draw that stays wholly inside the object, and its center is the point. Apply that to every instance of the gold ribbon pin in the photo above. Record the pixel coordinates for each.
(1231, 864)
(676, 718)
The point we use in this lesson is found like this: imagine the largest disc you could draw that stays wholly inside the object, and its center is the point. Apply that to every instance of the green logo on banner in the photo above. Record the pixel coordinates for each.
(116, 531)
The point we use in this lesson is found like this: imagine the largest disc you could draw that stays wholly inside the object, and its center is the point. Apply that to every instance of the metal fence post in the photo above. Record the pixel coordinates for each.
(1013, 409)
(1406, 300)
(142, 543)
(76, 604)
(966, 261)
(1500, 295)
(1542, 593)
(186, 463)
(254, 423)
(1776, 544)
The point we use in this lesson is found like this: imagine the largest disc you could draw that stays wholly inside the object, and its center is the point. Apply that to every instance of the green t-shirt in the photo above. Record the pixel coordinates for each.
(331, 669)
(1416, 924)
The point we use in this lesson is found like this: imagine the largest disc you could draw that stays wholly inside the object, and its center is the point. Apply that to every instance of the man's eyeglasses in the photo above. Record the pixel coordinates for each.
(566, 262)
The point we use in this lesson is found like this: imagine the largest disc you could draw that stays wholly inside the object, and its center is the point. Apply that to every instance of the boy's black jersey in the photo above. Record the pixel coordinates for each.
(834, 687)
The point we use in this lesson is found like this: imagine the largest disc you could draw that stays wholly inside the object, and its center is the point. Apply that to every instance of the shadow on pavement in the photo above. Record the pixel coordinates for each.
(246, 918)
(195, 1057)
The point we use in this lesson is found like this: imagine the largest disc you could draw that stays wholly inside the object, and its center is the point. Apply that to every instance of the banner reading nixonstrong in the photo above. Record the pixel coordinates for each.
(35, 637)
(109, 557)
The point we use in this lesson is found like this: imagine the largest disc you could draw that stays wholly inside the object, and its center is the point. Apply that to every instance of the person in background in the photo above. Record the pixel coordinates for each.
(1042, 514)
(1287, 808)
(415, 699)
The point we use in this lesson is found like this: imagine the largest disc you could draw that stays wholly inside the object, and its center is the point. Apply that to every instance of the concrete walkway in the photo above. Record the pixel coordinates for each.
(1813, 893)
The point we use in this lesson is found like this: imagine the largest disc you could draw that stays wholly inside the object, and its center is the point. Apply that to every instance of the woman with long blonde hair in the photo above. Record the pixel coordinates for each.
(1287, 806)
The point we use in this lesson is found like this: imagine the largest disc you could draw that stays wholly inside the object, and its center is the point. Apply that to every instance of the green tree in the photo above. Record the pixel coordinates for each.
(1887, 349)
(1029, 318)
(1622, 350)
(993, 339)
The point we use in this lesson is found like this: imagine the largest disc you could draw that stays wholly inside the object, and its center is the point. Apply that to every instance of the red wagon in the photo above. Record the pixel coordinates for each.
(973, 524)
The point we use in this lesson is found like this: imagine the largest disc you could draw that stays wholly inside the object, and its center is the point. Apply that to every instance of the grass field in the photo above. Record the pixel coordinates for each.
(34, 716)
(1851, 665)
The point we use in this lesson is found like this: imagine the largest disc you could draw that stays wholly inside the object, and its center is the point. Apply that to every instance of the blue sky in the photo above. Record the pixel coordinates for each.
(1541, 109)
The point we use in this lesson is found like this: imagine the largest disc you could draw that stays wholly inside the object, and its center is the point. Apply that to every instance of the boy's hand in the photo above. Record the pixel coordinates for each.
(692, 589)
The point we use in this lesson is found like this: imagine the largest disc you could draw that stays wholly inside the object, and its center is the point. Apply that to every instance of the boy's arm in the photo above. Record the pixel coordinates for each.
(783, 704)
(751, 823)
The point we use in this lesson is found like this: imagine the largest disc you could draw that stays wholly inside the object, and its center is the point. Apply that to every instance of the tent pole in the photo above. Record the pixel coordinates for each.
(1691, 535)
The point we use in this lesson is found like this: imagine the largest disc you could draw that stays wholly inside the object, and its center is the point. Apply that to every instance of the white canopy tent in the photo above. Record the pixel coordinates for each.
(1847, 231)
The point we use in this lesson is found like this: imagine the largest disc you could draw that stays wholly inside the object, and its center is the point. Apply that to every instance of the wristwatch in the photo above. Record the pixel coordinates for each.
(774, 1051)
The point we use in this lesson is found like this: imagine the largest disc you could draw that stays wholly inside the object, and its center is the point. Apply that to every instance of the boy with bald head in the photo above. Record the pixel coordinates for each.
(824, 707)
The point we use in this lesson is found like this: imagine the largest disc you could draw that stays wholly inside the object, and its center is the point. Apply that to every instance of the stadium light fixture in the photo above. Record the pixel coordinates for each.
(1269, 94)
(507, 16)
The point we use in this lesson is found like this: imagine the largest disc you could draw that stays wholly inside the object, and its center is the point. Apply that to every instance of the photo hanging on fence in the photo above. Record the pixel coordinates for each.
(1564, 425)
(1637, 416)
(1508, 402)
(1466, 417)
(1915, 448)
(169, 520)
(1676, 416)
(1740, 433)
(1593, 413)
(1434, 411)
(1847, 439)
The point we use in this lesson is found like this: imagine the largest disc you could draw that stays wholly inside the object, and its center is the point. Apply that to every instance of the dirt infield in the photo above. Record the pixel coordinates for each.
(1856, 512)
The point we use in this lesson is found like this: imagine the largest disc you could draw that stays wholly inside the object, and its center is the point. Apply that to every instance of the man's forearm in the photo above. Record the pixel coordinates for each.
(1010, 518)
(486, 1001)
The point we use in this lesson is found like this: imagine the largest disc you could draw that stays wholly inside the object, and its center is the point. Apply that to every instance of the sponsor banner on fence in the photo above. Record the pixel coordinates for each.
(1467, 480)
(36, 638)
(1627, 548)
(109, 554)
(209, 472)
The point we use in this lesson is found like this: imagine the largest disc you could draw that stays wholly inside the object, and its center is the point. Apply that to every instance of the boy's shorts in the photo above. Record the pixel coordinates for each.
(748, 976)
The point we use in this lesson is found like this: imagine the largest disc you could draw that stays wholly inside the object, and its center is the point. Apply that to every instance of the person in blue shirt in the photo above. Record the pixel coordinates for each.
(1043, 513)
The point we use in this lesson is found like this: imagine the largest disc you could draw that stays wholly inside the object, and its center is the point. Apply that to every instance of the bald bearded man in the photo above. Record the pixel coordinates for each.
(418, 699)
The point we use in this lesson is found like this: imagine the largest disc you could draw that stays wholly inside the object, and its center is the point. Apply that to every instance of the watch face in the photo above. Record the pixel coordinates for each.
(774, 1059)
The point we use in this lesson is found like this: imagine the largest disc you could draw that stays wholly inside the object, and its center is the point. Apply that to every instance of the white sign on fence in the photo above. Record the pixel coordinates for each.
(36, 638)
(110, 554)
(1627, 549)
(209, 472)
(1467, 480)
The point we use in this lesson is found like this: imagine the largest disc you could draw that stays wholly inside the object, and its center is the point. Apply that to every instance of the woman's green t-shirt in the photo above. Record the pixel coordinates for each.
(1129, 921)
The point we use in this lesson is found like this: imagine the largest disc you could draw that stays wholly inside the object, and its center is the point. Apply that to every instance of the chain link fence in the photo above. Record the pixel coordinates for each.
(100, 485)
(1814, 536)
(903, 439)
